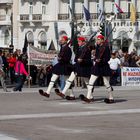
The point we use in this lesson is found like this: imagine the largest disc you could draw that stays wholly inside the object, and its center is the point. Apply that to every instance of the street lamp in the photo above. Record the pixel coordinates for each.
(80, 25)
(11, 45)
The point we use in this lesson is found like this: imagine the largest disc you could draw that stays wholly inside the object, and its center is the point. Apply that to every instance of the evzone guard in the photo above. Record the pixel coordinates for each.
(100, 68)
(81, 67)
(63, 67)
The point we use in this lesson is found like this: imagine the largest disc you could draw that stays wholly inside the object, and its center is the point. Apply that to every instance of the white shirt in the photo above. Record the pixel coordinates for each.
(114, 63)
(55, 61)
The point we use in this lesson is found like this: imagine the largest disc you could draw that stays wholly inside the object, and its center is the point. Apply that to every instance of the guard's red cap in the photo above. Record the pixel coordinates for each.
(100, 37)
(81, 38)
(65, 38)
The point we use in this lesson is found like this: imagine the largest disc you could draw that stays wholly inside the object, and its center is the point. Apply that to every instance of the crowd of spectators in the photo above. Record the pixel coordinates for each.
(41, 75)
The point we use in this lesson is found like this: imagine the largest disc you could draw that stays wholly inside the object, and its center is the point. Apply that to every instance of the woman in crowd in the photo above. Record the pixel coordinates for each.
(19, 73)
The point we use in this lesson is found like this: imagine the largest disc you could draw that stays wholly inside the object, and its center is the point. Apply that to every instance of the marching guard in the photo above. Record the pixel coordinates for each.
(81, 67)
(63, 67)
(100, 68)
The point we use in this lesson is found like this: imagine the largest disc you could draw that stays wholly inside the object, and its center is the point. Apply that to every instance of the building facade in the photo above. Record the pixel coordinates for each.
(5, 23)
(42, 21)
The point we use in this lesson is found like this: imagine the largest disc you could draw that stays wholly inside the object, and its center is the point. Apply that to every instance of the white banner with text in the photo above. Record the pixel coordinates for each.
(130, 76)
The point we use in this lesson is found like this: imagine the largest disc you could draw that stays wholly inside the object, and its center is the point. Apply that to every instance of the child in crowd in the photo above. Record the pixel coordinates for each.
(114, 64)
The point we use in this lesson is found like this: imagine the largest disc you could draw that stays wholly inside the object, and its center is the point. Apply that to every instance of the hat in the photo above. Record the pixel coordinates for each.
(65, 38)
(81, 38)
(100, 37)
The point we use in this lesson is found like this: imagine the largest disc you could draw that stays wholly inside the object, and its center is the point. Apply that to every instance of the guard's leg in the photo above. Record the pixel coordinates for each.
(109, 89)
(91, 86)
(51, 84)
(69, 82)
(86, 80)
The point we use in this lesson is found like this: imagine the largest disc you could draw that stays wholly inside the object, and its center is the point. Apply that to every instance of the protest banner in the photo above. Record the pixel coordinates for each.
(40, 57)
(130, 76)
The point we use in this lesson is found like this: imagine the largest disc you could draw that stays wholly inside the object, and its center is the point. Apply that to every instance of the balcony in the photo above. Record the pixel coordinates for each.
(24, 18)
(138, 15)
(63, 16)
(30, 18)
(5, 20)
(126, 15)
(79, 16)
(36, 18)
(6, 1)
(94, 16)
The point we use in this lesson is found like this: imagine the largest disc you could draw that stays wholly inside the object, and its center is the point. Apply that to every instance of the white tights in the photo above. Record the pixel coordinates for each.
(106, 83)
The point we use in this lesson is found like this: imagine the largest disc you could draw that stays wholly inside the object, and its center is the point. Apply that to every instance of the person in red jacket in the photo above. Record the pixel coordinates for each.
(12, 62)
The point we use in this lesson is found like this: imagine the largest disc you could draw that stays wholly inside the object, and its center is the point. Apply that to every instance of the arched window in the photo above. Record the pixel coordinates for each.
(30, 38)
(43, 40)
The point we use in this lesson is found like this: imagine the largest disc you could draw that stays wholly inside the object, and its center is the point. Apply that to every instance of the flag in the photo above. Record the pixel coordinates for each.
(132, 13)
(24, 50)
(118, 8)
(87, 13)
(101, 16)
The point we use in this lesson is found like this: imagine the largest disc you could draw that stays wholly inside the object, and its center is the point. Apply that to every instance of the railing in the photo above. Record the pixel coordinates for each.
(79, 16)
(126, 15)
(6, 1)
(24, 17)
(138, 15)
(94, 16)
(37, 17)
(63, 16)
(2, 17)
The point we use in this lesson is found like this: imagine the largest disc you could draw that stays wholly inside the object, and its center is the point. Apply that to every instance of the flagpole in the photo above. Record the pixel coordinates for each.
(28, 53)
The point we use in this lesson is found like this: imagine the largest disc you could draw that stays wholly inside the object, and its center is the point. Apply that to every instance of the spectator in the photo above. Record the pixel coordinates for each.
(2, 74)
(19, 72)
(114, 64)
(12, 62)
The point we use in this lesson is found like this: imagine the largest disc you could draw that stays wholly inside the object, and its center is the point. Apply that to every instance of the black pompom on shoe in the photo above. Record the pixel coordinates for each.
(109, 101)
(83, 98)
(70, 98)
(57, 90)
(41, 92)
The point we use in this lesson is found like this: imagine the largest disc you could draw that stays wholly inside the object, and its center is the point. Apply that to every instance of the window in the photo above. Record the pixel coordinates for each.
(42, 40)
(30, 38)
(43, 8)
(113, 8)
(128, 9)
(31, 8)
(6, 37)
(98, 9)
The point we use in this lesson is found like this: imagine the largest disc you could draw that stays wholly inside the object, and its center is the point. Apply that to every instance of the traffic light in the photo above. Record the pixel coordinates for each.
(102, 29)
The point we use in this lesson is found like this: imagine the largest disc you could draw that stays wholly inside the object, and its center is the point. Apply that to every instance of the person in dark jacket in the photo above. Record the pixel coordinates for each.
(63, 67)
(100, 68)
(82, 67)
